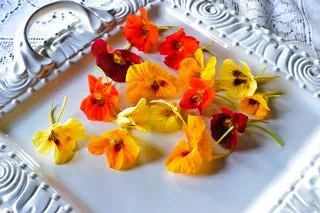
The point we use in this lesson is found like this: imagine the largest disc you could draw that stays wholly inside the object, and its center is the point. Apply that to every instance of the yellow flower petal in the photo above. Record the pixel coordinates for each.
(195, 129)
(115, 158)
(41, 141)
(183, 159)
(135, 117)
(198, 55)
(74, 129)
(149, 80)
(64, 152)
(210, 70)
(164, 118)
(204, 146)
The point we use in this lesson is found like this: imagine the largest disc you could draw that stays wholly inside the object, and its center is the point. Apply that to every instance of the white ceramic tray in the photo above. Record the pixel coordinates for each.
(259, 177)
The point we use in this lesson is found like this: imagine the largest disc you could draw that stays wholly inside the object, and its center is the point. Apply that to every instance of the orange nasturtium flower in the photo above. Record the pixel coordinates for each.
(237, 82)
(195, 68)
(178, 46)
(140, 32)
(255, 105)
(102, 102)
(118, 146)
(188, 156)
(199, 96)
(149, 80)
(60, 137)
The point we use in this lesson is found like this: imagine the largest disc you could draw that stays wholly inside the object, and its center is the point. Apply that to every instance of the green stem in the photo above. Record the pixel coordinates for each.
(257, 121)
(262, 72)
(223, 136)
(176, 110)
(62, 108)
(166, 27)
(51, 115)
(276, 93)
(266, 78)
(207, 50)
(268, 132)
(101, 71)
(227, 99)
(208, 45)
(214, 157)
(127, 47)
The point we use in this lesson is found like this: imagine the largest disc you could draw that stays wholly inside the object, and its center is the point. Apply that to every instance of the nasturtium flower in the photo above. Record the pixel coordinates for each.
(188, 156)
(178, 46)
(199, 96)
(119, 147)
(114, 63)
(230, 123)
(140, 32)
(165, 116)
(194, 67)
(149, 80)
(135, 117)
(237, 82)
(60, 137)
(102, 103)
(255, 105)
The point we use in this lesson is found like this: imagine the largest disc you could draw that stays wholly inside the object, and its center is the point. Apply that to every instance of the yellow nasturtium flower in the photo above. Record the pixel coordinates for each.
(135, 117)
(119, 147)
(237, 82)
(188, 156)
(165, 116)
(60, 137)
(195, 68)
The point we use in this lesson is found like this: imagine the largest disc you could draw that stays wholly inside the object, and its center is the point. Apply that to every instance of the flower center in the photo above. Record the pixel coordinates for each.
(252, 101)
(194, 99)
(227, 123)
(55, 140)
(178, 46)
(117, 144)
(117, 58)
(238, 81)
(157, 84)
(237, 73)
(145, 30)
(99, 102)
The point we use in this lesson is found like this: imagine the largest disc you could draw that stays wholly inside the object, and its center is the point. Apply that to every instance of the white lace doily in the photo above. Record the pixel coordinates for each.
(293, 20)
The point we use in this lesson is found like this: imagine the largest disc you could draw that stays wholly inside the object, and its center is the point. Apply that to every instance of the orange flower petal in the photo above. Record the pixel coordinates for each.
(144, 15)
(197, 83)
(183, 159)
(97, 145)
(115, 158)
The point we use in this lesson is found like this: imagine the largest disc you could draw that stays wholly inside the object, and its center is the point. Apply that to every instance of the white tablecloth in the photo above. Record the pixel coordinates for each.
(297, 21)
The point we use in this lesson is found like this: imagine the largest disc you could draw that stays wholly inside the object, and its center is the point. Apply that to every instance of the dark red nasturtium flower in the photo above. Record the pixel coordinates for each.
(114, 63)
(178, 46)
(222, 122)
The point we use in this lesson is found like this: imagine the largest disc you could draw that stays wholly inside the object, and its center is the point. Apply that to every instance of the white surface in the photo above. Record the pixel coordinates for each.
(233, 185)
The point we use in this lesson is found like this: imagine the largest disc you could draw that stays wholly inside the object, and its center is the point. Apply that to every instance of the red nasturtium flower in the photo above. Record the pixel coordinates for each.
(178, 46)
(140, 32)
(199, 96)
(102, 102)
(222, 122)
(114, 63)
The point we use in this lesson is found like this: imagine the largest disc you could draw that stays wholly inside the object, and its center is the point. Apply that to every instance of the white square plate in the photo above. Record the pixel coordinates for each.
(259, 177)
